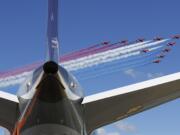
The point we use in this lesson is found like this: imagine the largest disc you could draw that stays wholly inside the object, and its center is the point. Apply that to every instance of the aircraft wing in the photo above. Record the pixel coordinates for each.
(8, 110)
(107, 107)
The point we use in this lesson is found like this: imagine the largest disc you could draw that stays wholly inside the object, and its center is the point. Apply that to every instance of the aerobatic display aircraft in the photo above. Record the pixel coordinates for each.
(145, 50)
(124, 42)
(140, 40)
(176, 37)
(158, 38)
(167, 50)
(171, 44)
(161, 56)
(157, 61)
(51, 101)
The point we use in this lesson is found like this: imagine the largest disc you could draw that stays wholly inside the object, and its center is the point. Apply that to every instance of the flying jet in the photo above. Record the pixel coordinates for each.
(105, 43)
(51, 101)
(158, 38)
(140, 40)
(167, 50)
(145, 50)
(171, 43)
(157, 61)
(124, 41)
(161, 56)
(176, 37)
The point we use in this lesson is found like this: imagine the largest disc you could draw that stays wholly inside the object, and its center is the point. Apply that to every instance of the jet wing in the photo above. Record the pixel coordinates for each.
(9, 110)
(107, 107)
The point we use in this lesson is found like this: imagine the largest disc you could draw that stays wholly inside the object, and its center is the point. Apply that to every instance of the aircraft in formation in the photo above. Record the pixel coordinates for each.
(51, 101)
(124, 42)
(157, 61)
(167, 50)
(158, 38)
(140, 40)
(171, 44)
(145, 50)
(176, 37)
(161, 56)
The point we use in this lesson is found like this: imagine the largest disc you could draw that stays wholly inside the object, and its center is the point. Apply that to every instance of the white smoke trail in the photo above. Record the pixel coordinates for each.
(114, 67)
(108, 56)
(14, 80)
(89, 61)
(103, 53)
(103, 60)
(126, 56)
(117, 51)
(17, 79)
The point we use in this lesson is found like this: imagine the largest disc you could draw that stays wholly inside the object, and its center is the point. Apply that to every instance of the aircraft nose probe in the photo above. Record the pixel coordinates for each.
(50, 67)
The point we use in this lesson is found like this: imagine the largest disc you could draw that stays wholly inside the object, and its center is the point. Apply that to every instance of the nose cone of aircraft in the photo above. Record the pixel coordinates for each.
(50, 67)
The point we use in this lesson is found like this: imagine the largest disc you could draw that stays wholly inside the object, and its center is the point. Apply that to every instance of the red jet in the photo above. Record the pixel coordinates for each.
(124, 42)
(158, 39)
(167, 50)
(161, 56)
(176, 37)
(171, 43)
(105, 43)
(140, 40)
(157, 61)
(145, 50)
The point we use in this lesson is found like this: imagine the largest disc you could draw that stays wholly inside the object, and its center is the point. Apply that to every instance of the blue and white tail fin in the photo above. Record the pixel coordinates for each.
(52, 32)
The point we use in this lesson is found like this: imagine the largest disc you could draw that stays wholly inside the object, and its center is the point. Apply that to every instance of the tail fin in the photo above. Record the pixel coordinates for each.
(52, 31)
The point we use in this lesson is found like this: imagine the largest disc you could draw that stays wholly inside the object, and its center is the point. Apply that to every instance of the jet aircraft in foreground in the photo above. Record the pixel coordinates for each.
(51, 101)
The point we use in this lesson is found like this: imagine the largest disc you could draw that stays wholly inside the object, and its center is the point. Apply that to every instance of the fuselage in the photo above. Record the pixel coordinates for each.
(50, 99)
(50, 103)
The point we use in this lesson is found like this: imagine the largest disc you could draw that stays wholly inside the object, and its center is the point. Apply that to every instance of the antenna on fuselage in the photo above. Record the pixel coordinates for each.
(52, 32)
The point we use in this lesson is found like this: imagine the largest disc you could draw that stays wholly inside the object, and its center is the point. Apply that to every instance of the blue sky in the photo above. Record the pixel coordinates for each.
(86, 22)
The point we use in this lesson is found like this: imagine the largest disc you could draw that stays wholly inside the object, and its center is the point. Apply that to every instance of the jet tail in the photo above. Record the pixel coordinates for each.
(52, 32)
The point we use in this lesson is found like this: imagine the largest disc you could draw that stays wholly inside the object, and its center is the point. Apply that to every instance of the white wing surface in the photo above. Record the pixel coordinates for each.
(107, 107)
(9, 110)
